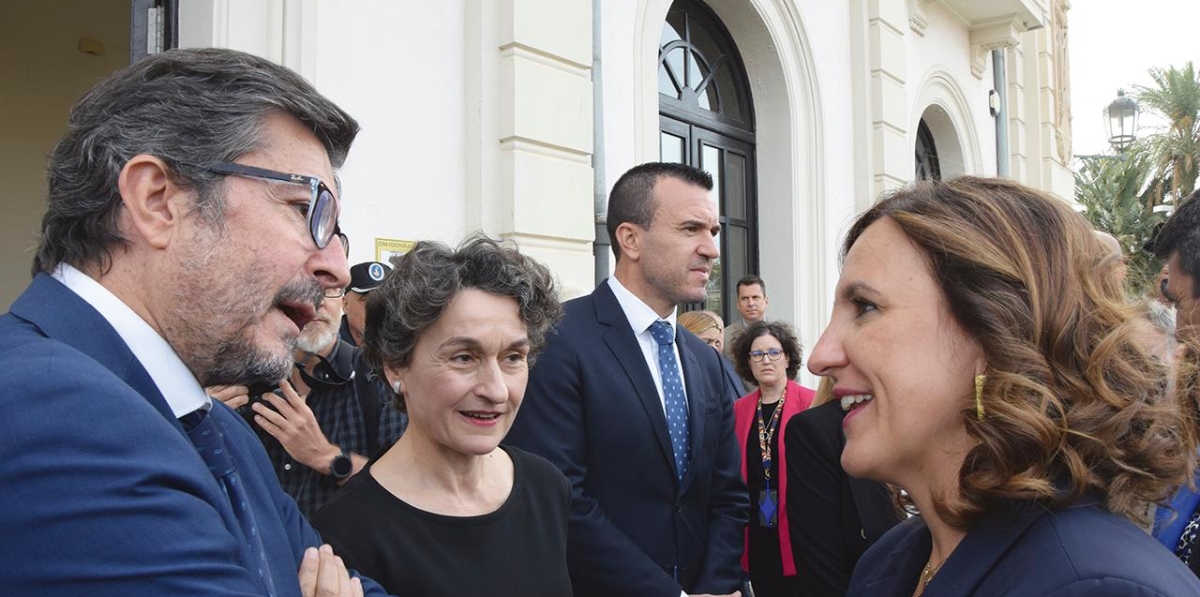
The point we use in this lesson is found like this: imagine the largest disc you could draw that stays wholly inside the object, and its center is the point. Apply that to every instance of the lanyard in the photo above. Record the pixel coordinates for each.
(767, 430)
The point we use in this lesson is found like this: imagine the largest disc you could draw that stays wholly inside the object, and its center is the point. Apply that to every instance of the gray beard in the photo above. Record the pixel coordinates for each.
(316, 337)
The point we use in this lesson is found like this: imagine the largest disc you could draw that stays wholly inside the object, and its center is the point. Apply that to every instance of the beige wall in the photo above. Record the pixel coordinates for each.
(43, 73)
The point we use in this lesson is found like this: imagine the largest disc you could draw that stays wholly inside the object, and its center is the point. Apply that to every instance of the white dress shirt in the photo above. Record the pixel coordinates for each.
(640, 317)
(173, 378)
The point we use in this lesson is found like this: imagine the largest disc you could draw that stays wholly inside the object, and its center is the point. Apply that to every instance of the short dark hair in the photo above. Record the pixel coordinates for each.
(1181, 233)
(414, 296)
(632, 198)
(751, 280)
(190, 108)
(780, 331)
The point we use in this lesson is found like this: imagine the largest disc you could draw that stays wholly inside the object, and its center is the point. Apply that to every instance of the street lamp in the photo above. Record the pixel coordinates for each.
(1121, 120)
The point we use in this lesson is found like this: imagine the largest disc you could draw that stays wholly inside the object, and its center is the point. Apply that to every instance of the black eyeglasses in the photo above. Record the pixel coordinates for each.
(773, 354)
(322, 213)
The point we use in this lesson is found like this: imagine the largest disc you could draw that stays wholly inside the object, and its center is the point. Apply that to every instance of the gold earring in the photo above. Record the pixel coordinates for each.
(979, 379)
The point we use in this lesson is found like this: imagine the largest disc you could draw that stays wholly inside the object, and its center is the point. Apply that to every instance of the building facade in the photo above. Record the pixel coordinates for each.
(516, 116)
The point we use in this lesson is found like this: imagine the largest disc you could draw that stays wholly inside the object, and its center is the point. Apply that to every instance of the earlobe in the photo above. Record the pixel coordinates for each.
(150, 199)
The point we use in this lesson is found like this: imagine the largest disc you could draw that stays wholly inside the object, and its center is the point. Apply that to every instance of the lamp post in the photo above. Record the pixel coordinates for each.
(1121, 120)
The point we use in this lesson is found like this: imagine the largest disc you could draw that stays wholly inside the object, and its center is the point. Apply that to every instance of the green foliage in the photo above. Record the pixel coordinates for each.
(1119, 193)
(1175, 96)
(1117, 199)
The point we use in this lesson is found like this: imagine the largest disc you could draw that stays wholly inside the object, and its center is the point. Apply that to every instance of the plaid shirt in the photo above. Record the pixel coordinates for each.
(336, 405)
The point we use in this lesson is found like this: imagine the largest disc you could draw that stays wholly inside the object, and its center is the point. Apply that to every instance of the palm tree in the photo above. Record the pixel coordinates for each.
(1175, 95)
(1117, 197)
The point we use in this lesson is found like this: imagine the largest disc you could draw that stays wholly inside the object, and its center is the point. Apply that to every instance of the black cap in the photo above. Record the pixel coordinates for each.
(367, 276)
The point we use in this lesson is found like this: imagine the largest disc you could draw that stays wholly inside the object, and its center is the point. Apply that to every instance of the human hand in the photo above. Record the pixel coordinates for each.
(232, 396)
(292, 422)
(324, 574)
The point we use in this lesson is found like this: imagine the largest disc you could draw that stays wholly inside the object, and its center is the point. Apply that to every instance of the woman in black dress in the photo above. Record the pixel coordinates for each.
(447, 511)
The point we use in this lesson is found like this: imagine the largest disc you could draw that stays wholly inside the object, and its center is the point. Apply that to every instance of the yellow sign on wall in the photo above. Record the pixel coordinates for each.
(386, 248)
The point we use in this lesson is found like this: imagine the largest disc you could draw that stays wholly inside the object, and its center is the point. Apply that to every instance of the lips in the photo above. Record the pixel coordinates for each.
(300, 313)
(482, 418)
(300, 300)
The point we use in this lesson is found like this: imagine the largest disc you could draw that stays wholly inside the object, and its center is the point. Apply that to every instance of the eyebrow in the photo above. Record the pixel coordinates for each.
(472, 343)
(858, 287)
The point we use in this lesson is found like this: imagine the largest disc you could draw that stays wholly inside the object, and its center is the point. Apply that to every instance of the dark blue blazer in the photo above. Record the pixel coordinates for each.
(102, 492)
(1027, 551)
(592, 409)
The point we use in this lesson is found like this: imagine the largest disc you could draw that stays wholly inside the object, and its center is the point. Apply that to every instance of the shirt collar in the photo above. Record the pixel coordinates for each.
(639, 314)
(177, 384)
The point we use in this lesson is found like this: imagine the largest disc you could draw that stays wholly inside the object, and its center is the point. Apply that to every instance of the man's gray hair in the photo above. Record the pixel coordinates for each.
(190, 108)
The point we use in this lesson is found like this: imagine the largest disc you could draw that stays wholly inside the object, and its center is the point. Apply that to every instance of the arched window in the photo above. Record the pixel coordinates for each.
(928, 167)
(706, 120)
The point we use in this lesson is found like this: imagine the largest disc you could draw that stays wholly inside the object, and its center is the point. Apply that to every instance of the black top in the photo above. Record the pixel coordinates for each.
(834, 518)
(518, 550)
(766, 558)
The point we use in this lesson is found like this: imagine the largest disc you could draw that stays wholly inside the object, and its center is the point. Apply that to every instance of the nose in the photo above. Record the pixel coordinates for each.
(708, 247)
(829, 354)
(491, 385)
(329, 265)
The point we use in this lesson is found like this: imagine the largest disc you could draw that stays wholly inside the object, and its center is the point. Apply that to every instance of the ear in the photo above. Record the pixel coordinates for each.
(395, 379)
(154, 206)
(628, 237)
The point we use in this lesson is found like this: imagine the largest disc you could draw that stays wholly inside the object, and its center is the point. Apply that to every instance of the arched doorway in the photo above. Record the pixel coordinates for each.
(706, 120)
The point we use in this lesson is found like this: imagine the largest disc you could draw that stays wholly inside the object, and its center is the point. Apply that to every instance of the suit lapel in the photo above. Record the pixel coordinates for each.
(983, 547)
(621, 341)
(65, 317)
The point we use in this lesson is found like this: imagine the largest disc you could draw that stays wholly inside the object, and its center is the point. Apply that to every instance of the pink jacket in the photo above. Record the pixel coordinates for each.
(745, 414)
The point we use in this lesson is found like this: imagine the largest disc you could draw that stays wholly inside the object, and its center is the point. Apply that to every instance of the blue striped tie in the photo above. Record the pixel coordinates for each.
(673, 396)
(210, 443)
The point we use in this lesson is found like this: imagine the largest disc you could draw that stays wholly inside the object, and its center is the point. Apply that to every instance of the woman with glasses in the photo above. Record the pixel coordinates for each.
(769, 353)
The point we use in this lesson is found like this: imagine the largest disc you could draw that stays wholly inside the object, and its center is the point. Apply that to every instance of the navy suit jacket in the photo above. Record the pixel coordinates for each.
(1027, 551)
(103, 493)
(592, 408)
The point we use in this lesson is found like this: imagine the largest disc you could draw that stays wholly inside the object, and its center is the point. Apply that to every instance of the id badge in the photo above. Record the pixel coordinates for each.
(768, 508)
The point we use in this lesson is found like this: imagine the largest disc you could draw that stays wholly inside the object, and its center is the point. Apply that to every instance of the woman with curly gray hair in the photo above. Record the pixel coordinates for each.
(455, 333)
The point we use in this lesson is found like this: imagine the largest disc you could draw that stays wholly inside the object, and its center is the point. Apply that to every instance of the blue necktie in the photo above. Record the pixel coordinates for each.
(210, 443)
(673, 396)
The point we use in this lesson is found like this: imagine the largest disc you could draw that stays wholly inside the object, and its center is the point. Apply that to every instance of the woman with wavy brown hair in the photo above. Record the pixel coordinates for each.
(990, 373)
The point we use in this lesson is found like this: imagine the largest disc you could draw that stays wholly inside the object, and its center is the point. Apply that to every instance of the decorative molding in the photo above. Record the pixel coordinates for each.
(994, 35)
(918, 15)
(1062, 79)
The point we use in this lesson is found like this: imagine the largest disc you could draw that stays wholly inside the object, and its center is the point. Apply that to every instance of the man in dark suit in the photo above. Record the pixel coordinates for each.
(634, 410)
(178, 250)
(1178, 242)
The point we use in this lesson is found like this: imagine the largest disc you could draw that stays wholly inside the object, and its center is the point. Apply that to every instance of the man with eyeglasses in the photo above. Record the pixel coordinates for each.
(190, 235)
(332, 415)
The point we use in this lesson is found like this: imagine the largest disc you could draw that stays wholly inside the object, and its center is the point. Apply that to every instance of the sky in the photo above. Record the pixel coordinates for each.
(1112, 44)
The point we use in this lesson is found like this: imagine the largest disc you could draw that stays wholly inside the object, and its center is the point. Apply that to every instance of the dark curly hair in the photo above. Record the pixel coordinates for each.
(424, 281)
(1075, 402)
(782, 332)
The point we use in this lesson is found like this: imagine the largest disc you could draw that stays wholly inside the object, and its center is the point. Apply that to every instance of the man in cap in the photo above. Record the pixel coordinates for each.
(364, 278)
(190, 234)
